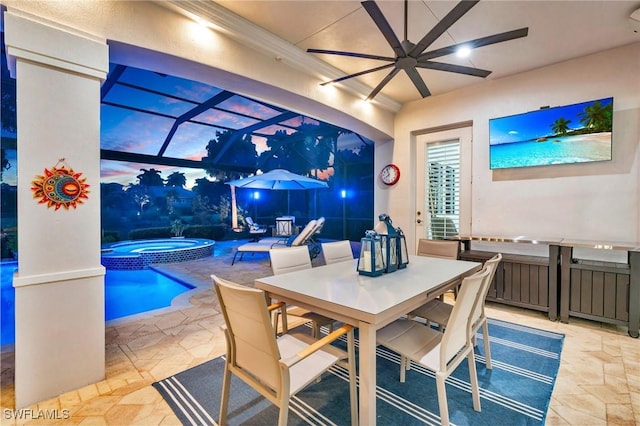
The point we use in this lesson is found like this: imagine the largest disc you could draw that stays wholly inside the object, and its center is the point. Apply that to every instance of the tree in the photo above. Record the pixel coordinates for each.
(308, 149)
(560, 126)
(176, 179)
(597, 117)
(140, 196)
(235, 152)
(4, 162)
(150, 177)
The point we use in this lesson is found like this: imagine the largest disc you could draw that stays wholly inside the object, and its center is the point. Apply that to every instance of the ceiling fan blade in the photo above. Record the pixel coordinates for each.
(473, 44)
(353, 54)
(476, 72)
(456, 13)
(418, 82)
(383, 83)
(383, 25)
(357, 74)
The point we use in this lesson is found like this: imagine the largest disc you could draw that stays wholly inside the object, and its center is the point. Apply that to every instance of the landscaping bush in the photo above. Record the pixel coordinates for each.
(212, 232)
(110, 237)
(146, 233)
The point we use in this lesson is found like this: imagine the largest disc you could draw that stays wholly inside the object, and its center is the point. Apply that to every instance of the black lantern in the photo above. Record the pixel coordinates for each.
(390, 246)
(402, 250)
(371, 261)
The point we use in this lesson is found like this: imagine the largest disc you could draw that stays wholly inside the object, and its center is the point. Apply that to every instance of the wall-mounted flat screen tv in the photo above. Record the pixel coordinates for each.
(576, 133)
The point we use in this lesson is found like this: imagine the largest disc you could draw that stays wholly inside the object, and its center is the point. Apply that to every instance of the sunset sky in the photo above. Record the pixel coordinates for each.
(138, 132)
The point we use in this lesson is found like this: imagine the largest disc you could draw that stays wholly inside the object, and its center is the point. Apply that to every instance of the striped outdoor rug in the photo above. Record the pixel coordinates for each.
(515, 392)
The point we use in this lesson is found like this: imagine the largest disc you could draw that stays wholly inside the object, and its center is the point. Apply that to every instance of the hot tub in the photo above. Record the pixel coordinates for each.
(139, 254)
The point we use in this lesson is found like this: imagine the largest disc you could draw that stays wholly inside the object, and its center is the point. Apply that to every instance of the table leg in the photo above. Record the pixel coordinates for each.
(367, 346)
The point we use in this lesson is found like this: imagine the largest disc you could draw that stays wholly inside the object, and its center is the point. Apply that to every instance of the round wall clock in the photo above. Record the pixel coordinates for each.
(390, 174)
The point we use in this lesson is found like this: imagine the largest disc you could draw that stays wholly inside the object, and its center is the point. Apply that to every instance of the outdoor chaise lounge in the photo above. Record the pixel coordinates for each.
(305, 237)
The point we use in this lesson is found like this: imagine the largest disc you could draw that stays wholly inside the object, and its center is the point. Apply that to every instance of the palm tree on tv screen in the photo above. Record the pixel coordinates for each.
(597, 118)
(560, 126)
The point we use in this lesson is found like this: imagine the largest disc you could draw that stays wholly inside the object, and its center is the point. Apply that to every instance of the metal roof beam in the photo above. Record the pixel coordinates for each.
(107, 154)
(111, 80)
(249, 129)
(220, 97)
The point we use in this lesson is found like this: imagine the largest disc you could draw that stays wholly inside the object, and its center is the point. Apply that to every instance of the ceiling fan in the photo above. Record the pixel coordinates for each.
(410, 56)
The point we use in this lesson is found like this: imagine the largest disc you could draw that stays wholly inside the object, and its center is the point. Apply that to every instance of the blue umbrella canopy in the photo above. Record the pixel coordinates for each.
(278, 179)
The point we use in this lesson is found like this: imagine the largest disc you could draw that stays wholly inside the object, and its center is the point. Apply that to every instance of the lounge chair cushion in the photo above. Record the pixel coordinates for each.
(305, 233)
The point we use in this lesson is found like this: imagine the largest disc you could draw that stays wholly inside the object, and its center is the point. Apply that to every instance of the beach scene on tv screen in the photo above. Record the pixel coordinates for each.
(575, 133)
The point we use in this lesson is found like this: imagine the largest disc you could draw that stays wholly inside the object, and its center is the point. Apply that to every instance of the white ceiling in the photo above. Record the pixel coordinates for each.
(558, 30)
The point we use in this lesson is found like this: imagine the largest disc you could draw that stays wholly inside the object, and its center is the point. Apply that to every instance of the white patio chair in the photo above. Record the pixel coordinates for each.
(441, 249)
(439, 312)
(438, 248)
(291, 259)
(440, 352)
(337, 251)
(255, 230)
(276, 367)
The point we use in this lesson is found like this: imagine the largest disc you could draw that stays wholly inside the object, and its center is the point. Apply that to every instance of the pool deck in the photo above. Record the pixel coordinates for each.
(594, 385)
(197, 273)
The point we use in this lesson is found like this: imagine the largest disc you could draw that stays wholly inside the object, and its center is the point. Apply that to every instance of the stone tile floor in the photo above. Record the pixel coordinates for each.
(598, 382)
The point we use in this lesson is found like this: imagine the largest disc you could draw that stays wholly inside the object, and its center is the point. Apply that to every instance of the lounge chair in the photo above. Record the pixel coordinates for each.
(304, 238)
(256, 231)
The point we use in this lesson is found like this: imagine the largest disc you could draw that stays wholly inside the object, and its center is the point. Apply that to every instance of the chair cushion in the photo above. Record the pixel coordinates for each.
(308, 369)
(416, 341)
(304, 235)
(291, 239)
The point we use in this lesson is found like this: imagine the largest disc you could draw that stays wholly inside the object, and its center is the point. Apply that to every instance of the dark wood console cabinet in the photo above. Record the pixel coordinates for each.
(566, 286)
(601, 291)
(525, 281)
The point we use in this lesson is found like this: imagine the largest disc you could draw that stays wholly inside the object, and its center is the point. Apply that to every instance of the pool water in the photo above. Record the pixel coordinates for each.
(127, 293)
(132, 292)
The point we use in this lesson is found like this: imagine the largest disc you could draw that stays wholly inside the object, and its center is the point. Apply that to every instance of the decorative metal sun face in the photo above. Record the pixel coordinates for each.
(60, 187)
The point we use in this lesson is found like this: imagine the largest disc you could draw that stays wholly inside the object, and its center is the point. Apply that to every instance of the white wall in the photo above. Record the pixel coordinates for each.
(595, 201)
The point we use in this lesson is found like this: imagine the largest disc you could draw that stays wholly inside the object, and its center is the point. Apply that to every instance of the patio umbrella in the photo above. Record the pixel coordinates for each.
(279, 179)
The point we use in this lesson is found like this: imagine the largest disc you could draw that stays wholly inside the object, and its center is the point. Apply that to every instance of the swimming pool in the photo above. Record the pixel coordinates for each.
(127, 292)
(139, 254)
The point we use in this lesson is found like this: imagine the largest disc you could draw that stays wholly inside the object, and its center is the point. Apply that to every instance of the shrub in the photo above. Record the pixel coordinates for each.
(212, 232)
(146, 233)
(110, 237)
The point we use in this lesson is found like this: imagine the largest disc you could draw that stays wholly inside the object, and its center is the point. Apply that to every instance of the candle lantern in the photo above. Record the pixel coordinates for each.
(390, 247)
(371, 261)
(402, 250)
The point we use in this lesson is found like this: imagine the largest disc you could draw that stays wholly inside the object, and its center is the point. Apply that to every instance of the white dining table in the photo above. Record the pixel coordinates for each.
(369, 303)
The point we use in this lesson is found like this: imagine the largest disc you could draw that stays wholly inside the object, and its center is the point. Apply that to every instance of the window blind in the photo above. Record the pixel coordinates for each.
(443, 164)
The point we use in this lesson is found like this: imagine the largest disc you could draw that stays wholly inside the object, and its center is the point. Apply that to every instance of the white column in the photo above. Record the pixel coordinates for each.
(60, 342)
